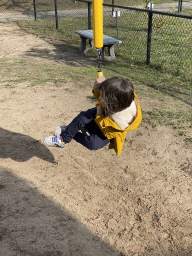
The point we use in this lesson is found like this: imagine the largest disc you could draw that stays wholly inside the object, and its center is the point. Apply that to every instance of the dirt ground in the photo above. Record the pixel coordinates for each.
(74, 201)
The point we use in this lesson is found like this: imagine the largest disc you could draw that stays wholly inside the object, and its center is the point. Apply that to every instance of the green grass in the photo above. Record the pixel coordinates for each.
(188, 139)
(45, 80)
(168, 116)
(178, 120)
(15, 72)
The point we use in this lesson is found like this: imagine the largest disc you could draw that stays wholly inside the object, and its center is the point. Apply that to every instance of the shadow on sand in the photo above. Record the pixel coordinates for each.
(62, 54)
(20, 147)
(32, 224)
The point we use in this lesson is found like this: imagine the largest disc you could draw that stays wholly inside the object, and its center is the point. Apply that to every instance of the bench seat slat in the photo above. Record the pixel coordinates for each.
(106, 39)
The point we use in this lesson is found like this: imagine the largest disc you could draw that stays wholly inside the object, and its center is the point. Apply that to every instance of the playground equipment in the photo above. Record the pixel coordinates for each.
(98, 31)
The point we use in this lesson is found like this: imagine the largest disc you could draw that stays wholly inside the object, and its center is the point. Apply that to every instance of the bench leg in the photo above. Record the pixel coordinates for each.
(91, 43)
(83, 44)
(111, 52)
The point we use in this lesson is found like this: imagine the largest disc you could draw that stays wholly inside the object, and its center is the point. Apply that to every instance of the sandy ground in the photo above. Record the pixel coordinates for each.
(73, 201)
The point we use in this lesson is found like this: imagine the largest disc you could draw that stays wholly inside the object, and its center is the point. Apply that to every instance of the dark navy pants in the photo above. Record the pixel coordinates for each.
(85, 121)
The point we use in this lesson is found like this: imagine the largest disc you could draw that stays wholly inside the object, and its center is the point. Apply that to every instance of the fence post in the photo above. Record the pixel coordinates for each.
(89, 15)
(34, 6)
(149, 36)
(112, 6)
(180, 5)
(56, 16)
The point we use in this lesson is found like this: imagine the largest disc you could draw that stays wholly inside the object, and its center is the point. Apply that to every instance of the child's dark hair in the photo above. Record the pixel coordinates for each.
(118, 93)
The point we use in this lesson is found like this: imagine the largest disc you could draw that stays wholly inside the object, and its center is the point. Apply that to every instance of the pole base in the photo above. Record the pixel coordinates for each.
(100, 73)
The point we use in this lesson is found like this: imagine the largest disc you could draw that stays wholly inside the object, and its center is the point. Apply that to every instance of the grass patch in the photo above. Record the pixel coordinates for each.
(175, 119)
(46, 80)
(188, 139)
(43, 72)
(19, 80)
(65, 35)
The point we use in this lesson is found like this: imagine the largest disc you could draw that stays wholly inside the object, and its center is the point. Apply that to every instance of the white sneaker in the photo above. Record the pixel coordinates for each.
(52, 141)
(59, 130)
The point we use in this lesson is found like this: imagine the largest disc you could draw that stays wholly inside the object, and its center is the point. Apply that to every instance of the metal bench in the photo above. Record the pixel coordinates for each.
(108, 42)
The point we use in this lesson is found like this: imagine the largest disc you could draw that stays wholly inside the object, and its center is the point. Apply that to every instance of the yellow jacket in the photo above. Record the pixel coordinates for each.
(116, 131)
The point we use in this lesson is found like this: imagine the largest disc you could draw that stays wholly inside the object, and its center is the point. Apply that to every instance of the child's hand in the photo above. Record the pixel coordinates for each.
(98, 81)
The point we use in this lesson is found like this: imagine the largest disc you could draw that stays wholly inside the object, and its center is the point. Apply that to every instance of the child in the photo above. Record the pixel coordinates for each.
(117, 111)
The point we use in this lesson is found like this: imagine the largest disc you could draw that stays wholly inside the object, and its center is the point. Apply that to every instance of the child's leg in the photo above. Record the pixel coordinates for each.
(92, 142)
(84, 121)
(77, 124)
(96, 140)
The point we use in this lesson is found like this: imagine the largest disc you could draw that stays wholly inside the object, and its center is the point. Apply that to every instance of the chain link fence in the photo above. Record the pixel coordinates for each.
(13, 10)
(161, 39)
(158, 38)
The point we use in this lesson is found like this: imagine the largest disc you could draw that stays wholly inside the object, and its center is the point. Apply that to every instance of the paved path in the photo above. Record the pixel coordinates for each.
(6, 16)
(42, 15)
(169, 6)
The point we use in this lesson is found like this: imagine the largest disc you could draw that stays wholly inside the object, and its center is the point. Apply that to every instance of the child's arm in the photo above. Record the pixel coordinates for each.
(96, 86)
(98, 81)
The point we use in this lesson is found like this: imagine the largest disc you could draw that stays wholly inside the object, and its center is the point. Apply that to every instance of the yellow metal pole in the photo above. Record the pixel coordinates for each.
(98, 29)
(98, 23)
